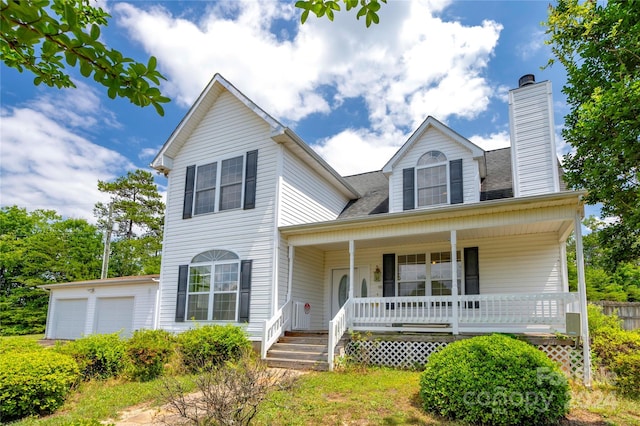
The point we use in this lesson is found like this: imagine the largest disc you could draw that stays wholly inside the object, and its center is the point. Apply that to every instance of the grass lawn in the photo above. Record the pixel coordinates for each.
(374, 396)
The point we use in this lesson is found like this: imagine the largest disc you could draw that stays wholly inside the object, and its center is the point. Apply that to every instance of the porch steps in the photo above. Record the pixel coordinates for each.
(300, 351)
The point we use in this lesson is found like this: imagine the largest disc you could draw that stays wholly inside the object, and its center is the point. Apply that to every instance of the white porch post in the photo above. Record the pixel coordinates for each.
(454, 280)
(292, 252)
(352, 268)
(582, 296)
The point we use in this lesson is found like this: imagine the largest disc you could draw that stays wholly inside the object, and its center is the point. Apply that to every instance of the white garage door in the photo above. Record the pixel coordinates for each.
(114, 314)
(69, 318)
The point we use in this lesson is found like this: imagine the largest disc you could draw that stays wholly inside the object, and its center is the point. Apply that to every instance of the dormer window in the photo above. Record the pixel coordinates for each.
(434, 181)
(431, 179)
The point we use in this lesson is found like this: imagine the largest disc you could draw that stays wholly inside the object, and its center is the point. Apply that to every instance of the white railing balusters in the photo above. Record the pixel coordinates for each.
(275, 327)
(337, 327)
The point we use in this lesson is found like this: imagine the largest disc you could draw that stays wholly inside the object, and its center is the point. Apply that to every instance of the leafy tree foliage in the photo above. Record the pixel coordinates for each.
(621, 284)
(367, 8)
(37, 248)
(42, 35)
(138, 215)
(599, 45)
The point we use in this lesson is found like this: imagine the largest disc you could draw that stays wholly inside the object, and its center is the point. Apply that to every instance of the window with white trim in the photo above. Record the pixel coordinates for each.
(212, 293)
(219, 186)
(412, 275)
(432, 179)
(441, 279)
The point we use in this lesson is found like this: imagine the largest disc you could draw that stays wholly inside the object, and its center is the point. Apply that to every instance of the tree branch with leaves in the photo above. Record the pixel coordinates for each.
(46, 36)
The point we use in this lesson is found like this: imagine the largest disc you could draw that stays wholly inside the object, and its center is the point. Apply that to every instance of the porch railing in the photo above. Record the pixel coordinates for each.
(474, 311)
(275, 327)
(337, 327)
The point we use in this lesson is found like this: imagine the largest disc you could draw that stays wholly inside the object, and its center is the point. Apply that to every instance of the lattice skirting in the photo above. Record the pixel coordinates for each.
(407, 354)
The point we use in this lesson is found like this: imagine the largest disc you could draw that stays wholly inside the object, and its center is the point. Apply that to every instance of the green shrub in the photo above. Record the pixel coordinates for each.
(207, 346)
(494, 380)
(33, 383)
(99, 356)
(608, 338)
(148, 351)
(18, 344)
(627, 369)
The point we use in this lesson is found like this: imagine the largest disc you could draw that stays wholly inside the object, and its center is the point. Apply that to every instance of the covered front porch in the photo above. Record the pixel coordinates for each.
(491, 267)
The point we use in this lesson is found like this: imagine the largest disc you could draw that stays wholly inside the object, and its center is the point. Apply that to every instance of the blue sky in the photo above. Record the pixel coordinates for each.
(354, 94)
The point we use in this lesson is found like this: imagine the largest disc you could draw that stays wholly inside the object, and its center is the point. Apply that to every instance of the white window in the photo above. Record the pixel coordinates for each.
(212, 293)
(432, 180)
(412, 275)
(441, 277)
(221, 186)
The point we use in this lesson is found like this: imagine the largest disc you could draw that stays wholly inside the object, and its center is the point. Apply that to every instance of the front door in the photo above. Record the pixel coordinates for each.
(340, 286)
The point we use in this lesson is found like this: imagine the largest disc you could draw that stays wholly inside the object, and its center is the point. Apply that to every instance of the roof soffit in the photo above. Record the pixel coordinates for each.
(431, 122)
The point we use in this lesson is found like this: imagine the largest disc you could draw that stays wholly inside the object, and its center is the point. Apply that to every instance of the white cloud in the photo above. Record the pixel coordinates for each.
(492, 141)
(413, 64)
(47, 163)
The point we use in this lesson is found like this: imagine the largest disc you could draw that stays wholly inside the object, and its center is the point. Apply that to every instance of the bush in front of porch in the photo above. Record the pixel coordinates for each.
(494, 380)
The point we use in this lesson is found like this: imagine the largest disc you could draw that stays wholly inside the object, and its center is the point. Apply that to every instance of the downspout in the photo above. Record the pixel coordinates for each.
(276, 232)
(582, 295)
(156, 316)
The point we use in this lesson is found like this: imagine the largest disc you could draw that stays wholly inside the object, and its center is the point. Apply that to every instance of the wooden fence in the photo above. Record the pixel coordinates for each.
(628, 312)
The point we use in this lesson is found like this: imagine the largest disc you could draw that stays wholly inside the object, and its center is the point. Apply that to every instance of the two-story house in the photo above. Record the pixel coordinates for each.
(260, 231)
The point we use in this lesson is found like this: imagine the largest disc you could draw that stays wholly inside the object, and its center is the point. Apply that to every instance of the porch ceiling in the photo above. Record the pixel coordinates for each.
(462, 235)
(497, 218)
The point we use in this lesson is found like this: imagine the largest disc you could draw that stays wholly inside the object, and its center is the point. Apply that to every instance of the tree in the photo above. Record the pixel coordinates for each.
(137, 211)
(37, 248)
(599, 45)
(367, 8)
(41, 35)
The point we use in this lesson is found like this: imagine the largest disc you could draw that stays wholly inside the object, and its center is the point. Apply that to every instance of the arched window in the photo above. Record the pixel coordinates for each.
(214, 282)
(431, 179)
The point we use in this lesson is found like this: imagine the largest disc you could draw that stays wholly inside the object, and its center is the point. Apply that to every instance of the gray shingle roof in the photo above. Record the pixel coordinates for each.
(374, 186)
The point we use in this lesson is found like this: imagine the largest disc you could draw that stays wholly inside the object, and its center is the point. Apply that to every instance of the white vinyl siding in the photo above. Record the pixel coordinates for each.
(533, 152)
(229, 129)
(434, 140)
(306, 196)
(308, 274)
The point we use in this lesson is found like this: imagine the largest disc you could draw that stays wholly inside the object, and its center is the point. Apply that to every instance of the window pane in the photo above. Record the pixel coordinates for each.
(226, 277)
(206, 176)
(231, 171)
(441, 288)
(199, 279)
(441, 282)
(205, 201)
(231, 196)
(432, 157)
(416, 288)
(224, 307)
(198, 307)
(432, 185)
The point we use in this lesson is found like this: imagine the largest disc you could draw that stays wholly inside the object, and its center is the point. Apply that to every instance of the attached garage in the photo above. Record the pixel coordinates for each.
(122, 305)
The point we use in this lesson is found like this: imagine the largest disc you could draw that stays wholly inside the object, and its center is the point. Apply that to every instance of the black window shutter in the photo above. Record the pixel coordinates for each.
(389, 277)
(251, 173)
(188, 192)
(408, 189)
(471, 273)
(181, 300)
(455, 181)
(245, 290)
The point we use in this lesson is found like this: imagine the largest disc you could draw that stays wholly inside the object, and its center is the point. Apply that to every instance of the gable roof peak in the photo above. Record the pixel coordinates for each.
(163, 161)
(431, 122)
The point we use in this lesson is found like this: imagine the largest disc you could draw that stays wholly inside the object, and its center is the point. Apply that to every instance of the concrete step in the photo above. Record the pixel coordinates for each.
(297, 355)
(307, 340)
(304, 347)
(297, 364)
